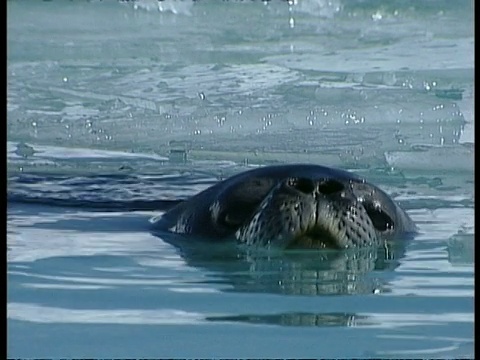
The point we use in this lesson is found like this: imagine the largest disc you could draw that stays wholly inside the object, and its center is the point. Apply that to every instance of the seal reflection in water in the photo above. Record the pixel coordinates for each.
(291, 206)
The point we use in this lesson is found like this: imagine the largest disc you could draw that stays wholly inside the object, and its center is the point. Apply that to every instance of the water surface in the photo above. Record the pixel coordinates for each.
(114, 109)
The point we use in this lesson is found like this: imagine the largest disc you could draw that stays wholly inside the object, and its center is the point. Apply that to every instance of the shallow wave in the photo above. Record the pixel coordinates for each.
(46, 314)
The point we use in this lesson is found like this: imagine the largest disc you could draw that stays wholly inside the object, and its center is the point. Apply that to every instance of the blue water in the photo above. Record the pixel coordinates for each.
(117, 108)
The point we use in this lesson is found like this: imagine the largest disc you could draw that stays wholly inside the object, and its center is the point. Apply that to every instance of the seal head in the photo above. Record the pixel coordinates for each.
(291, 206)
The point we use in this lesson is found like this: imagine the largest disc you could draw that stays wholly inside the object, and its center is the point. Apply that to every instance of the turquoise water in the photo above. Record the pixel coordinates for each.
(115, 108)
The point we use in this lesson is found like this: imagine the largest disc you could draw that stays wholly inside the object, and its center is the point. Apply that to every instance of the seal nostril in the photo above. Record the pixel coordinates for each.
(303, 185)
(330, 187)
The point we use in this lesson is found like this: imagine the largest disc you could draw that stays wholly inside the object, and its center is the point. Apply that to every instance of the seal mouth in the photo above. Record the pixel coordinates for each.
(315, 238)
(318, 236)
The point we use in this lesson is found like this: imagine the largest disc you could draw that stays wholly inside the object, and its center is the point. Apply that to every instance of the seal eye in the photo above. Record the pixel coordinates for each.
(329, 187)
(380, 219)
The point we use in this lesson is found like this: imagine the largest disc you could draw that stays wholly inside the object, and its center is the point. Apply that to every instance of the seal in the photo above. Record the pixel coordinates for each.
(291, 206)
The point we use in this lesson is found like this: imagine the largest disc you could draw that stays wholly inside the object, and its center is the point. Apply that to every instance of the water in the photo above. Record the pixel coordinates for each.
(115, 109)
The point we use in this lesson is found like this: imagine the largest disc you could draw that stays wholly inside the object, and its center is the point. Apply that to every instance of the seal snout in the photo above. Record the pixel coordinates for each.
(311, 213)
